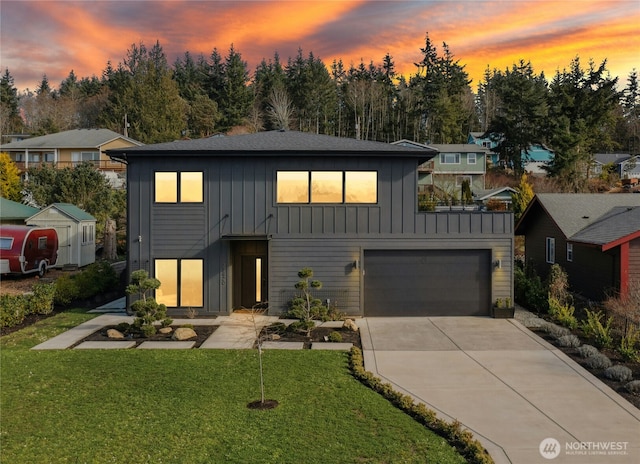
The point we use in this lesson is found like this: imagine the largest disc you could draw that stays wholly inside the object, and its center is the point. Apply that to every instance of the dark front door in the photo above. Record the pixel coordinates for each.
(250, 273)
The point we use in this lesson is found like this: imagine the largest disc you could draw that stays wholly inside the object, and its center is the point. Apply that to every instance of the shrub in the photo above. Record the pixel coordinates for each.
(633, 387)
(593, 328)
(555, 330)
(335, 337)
(96, 278)
(569, 341)
(146, 308)
(558, 284)
(562, 313)
(66, 290)
(618, 373)
(306, 307)
(628, 343)
(529, 289)
(586, 351)
(41, 300)
(13, 310)
(598, 361)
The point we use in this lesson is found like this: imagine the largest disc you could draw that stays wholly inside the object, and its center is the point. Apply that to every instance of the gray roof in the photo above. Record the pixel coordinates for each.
(459, 148)
(572, 212)
(11, 210)
(617, 223)
(76, 138)
(279, 143)
(70, 210)
(615, 158)
(486, 194)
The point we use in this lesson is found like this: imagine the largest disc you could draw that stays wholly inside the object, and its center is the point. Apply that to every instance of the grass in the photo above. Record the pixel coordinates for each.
(148, 406)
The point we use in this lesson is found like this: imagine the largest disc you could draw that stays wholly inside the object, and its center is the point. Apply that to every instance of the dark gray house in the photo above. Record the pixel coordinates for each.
(226, 222)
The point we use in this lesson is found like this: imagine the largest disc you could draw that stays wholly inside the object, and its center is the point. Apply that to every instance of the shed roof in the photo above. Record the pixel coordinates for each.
(12, 211)
(76, 138)
(273, 143)
(70, 210)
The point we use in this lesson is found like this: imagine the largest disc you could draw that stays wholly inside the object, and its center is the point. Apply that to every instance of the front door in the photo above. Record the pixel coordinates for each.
(249, 274)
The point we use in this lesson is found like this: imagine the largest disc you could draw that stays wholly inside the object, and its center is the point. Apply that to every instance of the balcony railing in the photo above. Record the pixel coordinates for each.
(102, 165)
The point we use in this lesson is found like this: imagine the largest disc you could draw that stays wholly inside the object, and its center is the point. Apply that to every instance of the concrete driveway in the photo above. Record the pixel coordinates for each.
(521, 397)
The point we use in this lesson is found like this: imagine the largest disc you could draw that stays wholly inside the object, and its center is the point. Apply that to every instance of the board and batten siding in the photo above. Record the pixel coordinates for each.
(240, 200)
(634, 262)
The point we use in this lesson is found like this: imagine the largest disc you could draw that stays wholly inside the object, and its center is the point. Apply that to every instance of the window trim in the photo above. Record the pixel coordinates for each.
(443, 158)
(88, 234)
(550, 250)
(178, 262)
(475, 158)
(570, 252)
(178, 188)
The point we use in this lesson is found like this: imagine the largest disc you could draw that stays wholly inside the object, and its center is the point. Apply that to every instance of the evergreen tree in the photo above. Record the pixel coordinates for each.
(236, 98)
(10, 120)
(581, 121)
(631, 108)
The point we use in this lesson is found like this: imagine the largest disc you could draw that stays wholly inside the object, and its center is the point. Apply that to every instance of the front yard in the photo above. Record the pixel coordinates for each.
(150, 406)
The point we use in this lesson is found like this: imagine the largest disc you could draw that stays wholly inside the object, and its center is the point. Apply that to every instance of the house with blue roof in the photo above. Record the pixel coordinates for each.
(534, 158)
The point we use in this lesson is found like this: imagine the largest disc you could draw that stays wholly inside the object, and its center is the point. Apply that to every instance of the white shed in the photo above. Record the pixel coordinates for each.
(76, 232)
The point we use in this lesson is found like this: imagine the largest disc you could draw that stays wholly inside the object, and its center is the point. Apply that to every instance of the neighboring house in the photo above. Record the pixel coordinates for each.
(69, 148)
(227, 222)
(502, 195)
(12, 212)
(454, 164)
(594, 237)
(534, 159)
(626, 166)
(76, 232)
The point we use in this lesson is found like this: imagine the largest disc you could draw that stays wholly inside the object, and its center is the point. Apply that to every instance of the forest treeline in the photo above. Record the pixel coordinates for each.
(577, 112)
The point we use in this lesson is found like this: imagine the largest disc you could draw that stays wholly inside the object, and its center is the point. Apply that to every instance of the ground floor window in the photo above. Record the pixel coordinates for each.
(550, 250)
(181, 282)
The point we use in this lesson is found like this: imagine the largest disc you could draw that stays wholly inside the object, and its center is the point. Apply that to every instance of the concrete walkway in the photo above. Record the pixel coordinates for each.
(509, 387)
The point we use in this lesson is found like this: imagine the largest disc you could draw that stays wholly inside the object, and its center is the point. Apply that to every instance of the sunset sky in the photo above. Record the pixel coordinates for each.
(56, 36)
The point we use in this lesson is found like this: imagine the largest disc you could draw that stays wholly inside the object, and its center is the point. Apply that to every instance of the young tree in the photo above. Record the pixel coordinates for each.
(10, 183)
(523, 196)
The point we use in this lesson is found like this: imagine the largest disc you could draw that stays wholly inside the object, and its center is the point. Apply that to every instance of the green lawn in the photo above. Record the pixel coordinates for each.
(148, 406)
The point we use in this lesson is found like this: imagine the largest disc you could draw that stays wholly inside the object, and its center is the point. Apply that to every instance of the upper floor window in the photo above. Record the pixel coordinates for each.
(449, 158)
(174, 187)
(550, 250)
(327, 187)
(471, 158)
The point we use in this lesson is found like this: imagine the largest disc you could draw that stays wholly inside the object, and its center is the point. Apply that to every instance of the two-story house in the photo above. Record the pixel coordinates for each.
(453, 164)
(69, 148)
(227, 222)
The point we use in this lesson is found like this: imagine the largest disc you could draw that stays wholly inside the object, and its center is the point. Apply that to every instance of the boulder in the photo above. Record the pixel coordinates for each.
(116, 334)
(165, 330)
(349, 324)
(184, 333)
(275, 337)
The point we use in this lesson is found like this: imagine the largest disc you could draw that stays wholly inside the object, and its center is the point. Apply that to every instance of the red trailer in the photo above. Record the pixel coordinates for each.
(27, 249)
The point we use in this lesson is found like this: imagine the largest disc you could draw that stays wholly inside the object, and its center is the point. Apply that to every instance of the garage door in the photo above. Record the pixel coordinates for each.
(427, 282)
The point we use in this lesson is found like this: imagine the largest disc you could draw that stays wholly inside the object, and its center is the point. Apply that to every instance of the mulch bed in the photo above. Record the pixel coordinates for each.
(317, 335)
(203, 332)
(615, 357)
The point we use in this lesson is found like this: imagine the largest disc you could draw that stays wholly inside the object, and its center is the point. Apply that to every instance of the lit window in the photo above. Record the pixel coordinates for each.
(449, 158)
(550, 250)
(293, 187)
(361, 187)
(326, 187)
(570, 252)
(180, 278)
(166, 187)
(191, 187)
(471, 158)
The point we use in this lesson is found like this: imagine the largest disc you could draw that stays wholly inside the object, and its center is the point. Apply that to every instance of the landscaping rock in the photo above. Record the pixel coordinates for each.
(349, 324)
(275, 337)
(184, 333)
(165, 330)
(115, 334)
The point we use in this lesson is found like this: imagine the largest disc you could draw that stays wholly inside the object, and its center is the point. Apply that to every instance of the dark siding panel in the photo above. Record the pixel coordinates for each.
(592, 272)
